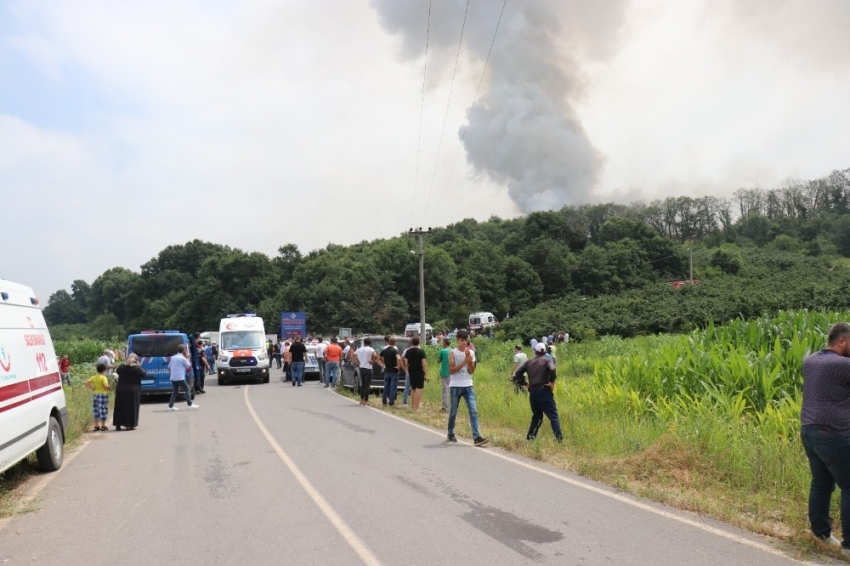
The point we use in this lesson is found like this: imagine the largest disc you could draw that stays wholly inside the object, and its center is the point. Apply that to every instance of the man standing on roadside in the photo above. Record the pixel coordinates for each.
(106, 360)
(417, 371)
(365, 356)
(298, 355)
(333, 355)
(320, 358)
(390, 361)
(825, 432)
(461, 368)
(541, 385)
(445, 376)
(210, 361)
(179, 367)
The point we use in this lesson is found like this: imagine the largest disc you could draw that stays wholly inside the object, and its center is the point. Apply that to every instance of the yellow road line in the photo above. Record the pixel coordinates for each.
(357, 545)
(611, 495)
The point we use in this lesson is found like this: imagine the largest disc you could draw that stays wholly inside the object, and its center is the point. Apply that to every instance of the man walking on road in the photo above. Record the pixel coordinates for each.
(178, 368)
(825, 432)
(390, 361)
(333, 355)
(461, 368)
(541, 385)
(445, 376)
(298, 355)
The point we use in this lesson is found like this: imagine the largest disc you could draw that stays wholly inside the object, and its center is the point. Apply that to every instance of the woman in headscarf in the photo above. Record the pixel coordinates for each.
(128, 394)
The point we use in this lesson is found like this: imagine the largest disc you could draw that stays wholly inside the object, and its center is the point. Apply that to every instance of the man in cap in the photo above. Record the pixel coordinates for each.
(541, 385)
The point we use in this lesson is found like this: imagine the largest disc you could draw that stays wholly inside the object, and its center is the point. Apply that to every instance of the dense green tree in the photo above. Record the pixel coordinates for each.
(62, 309)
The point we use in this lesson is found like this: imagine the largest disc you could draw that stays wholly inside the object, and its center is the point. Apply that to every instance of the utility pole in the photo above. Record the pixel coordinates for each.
(420, 232)
(691, 261)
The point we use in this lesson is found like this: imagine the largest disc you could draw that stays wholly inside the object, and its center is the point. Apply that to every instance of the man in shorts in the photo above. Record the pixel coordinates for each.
(417, 371)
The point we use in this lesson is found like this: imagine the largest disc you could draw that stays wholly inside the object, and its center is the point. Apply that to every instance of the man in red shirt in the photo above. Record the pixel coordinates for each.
(65, 370)
(333, 354)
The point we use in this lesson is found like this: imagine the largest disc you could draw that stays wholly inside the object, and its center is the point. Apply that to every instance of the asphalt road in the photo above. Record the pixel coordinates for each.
(274, 474)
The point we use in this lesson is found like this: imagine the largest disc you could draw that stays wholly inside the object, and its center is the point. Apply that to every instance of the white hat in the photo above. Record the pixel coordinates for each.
(541, 347)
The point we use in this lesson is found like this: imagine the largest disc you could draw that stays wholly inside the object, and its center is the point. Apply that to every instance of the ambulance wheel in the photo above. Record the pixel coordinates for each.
(266, 379)
(221, 381)
(50, 455)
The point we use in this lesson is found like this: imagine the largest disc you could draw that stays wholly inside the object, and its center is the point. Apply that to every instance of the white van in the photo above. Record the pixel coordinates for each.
(414, 328)
(242, 349)
(479, 321)
(33, 416)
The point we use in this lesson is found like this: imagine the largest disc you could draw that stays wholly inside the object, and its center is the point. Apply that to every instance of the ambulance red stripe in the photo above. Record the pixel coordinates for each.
(24, 387)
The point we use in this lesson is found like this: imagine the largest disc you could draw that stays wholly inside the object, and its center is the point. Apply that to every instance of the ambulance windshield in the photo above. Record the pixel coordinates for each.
(246, 339)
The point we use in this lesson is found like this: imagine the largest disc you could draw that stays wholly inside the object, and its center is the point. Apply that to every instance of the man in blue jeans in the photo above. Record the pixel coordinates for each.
(461, 368)
(178, 368)
(390, 361)
(825, 419)
(298, 353)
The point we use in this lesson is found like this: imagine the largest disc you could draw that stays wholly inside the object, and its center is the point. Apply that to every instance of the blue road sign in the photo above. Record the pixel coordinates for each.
(293, 324)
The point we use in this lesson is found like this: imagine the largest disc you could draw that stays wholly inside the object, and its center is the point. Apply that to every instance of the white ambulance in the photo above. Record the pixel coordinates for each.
(33, 416)
(242, 350)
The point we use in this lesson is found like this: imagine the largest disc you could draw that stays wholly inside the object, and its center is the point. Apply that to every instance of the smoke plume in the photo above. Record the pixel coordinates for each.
(523, 130)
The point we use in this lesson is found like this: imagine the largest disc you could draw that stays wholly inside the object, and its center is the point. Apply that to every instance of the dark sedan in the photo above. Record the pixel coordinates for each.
(350, 374)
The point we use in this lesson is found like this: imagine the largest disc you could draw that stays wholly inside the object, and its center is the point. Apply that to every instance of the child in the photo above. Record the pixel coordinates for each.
(100, 401)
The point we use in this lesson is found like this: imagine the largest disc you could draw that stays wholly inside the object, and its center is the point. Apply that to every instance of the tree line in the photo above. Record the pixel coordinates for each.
(590, 269)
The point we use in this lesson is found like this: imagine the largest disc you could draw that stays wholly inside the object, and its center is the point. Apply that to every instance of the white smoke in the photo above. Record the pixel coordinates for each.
(523, 130)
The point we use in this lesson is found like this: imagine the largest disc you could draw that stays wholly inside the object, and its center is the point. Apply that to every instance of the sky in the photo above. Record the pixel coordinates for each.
(129, 126)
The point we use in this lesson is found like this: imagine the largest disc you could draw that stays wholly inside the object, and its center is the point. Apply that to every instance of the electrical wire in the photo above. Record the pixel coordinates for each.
(446, 115)
(421, 113)
(471, 110)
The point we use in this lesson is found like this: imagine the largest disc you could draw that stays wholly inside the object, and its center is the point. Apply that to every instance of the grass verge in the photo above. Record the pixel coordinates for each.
(699, 463)
(78, 401)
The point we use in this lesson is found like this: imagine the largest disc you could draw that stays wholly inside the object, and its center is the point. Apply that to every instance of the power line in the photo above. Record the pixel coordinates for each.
(446, 116)
(421, 112)
(471, 110)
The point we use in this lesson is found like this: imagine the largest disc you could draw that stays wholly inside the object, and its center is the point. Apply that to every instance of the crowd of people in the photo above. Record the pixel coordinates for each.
(457, 365)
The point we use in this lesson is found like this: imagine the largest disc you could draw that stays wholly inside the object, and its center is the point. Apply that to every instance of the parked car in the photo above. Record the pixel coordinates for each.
(350, 374)
(311, 366)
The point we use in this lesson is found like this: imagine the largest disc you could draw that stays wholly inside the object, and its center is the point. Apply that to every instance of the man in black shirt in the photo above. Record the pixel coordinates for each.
(417, 368)
(825, 432)
(390, 359)
(298, 352)
(541, 386)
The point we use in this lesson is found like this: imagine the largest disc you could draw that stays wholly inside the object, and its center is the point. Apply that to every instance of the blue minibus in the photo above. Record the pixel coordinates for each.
(155, 348)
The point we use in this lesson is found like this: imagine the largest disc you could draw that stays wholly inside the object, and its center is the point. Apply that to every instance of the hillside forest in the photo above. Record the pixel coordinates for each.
(590, 270)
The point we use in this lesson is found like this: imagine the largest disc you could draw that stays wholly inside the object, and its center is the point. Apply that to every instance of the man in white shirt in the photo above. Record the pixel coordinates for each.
(461, 368)
(520, 357)
(107, 360)
(320, 358)
(178, 367)
(364, 357)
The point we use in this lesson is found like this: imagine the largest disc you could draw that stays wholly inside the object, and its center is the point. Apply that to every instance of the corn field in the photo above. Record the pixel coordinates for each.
(743, 371)
(83, 351)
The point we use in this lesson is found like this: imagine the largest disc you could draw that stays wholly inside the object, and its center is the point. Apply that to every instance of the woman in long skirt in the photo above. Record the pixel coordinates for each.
(128, 394)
